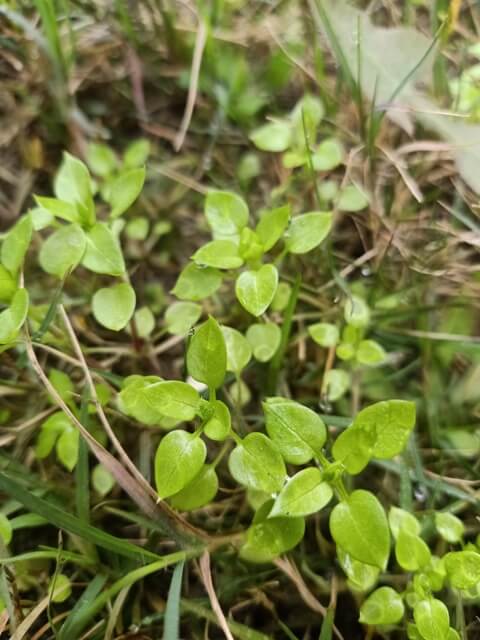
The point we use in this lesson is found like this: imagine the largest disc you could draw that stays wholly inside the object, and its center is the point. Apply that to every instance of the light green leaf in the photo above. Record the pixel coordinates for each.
(124, 190)
(336, 383)
(328, 155)
(114, 306)
(304, 493)
(449, 527)
(198, 492)
(132, 402)
(256, 464)
(307, 231)
(137, 152)
(297, 431)
(324, 333)
(327, 190)
(370, 353)
(356, 312)
(67, 448)
(274, 136)
(137, 228)
(345, 351)
(207, 354)
(59, 208)
(63, 250)
(219, 425)
(197, 283)
(62, 384)
(361, 576)
(181, 316)
(465, 443)
(250, 247)
(272, 224)
(264, 340)
(255, 289)
(60, 588)
(103, 253)
(463, 568)
(294, 159)
(51, 429)
(102, 480)
(388, 424)
(353, 448)
(268, 539)
(240, 393)
(179, 458)
(359, 525)
(13, 317)
(15, 244)
(239, 351)
(101, 159)
(226, 213)
(411, 551)
(432, 619)
(5, 529)
(281, 297)
(221, 254)
(352, 199)
(171, 398)
(401, 520)
(383, 606)
(41, 218)
(73, 184)
(8, 285)
(249, 166)
(306, 116)
(144, 322)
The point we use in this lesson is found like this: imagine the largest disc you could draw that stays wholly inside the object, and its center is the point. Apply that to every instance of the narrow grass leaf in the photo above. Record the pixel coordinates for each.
(172, 612)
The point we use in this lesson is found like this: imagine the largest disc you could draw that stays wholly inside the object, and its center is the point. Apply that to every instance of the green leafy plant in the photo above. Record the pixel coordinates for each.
(286, 462)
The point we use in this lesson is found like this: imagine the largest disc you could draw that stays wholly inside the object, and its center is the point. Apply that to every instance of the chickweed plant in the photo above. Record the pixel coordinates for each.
(292, 469)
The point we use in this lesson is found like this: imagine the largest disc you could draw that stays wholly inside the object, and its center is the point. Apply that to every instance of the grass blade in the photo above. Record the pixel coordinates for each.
(90, 611)
(172, 612)
(64, 520)
(69, 629)
(82, 470)
(278, 358)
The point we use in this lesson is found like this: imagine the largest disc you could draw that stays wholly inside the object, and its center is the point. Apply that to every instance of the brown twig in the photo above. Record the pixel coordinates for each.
(200, 42)
(206, 576)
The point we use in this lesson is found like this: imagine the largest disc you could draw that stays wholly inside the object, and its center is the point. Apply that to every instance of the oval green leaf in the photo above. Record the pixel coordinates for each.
(198, 492)
(304, 493)
(226, 213)
(181, 316)
(432, 619)
(359, 525)
(256, 464)
(239, 351)
(221, 254)
(124, 190)
(207, 354)
(264, 340)
(103, 253)
(298, 432)
(383, 606)
(179, 458)
(114, 306)
(307, 231)
(255, 289)
(196, 283)
(15, 244)
(63, 250)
